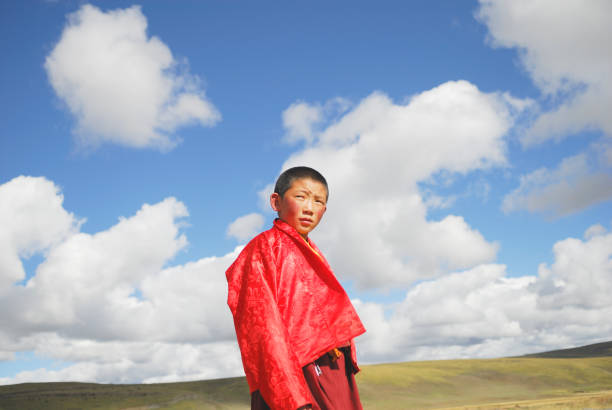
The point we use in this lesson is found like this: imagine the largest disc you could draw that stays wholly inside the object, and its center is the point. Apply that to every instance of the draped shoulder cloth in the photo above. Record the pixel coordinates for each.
(289, 309)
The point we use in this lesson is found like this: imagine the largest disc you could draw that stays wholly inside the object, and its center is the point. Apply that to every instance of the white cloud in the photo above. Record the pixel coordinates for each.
(447, 316)
(32, 220)
(131, 362)
(246, 227)
(484, 313)
(569, 59)
(113, 285)
(299, 120)
(594, 230)
(375, 155)
(106, 307)
(302, 120)
(107, 303)
(578, 182)
(580, 276)
(122, 86)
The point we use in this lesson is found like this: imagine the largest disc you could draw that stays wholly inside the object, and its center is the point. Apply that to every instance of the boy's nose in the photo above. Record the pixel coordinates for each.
(307, 209)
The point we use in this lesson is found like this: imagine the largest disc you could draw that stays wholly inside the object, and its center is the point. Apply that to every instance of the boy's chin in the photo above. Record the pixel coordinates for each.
(302, 231)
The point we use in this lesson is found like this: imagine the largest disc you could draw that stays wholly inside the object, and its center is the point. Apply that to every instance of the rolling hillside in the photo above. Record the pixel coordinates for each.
(570, 378)
(595, 350)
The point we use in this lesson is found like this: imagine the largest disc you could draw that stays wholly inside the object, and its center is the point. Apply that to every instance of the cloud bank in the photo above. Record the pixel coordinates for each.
(109, 302)
(110, 306)
(569, 61)
(481, 312)
(570, 58)
(122, 86)
(374, 156)
(577, 183)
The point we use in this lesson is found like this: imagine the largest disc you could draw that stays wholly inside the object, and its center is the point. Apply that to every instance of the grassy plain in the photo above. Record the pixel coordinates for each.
(509, 383)
(496, 382)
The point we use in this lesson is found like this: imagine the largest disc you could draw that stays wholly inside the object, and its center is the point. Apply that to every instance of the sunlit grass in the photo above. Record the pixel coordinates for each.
(450, 383)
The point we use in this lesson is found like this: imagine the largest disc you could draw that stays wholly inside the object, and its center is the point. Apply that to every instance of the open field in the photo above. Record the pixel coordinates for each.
(474, 383)
(601, 400)
(509, 383)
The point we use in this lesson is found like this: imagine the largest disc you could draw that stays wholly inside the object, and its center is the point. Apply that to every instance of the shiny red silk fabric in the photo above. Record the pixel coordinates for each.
(289, 309)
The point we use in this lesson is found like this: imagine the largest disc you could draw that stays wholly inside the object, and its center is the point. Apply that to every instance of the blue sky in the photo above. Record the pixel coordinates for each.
(463, 145)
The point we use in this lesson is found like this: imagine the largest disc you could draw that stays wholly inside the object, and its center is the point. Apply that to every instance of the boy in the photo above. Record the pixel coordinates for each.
(294, 322)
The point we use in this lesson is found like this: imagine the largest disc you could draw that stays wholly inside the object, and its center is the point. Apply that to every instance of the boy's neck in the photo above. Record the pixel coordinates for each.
(304, 236)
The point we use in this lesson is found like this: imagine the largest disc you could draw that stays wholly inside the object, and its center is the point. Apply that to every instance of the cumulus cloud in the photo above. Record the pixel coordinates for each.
(110, 307)
(374, 156)
(302, 120)
(578, 182)
(32, 219)
(130, 362)
(246, 227)
(110, 302)
(448, 316)
(123, 86)
(570, 60)
(594, 230)
(482, 312)
(299, 120)
(580, 276)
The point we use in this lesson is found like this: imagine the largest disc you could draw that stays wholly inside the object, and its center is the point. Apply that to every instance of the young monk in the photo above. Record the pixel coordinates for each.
(294, 322)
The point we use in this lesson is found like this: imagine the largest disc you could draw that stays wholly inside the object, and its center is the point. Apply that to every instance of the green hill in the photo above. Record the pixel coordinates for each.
(594, 350)
(583, 380)
(450, 383)
(231, 393)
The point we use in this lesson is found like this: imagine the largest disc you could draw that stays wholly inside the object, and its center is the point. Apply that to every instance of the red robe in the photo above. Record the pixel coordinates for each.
(289, 309)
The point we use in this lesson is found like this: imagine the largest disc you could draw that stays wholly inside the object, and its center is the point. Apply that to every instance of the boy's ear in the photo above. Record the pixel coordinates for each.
(274, 200)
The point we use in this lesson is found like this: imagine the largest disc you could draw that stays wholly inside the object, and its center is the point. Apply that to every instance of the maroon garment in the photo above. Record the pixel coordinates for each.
(288, 309)
(331, 382)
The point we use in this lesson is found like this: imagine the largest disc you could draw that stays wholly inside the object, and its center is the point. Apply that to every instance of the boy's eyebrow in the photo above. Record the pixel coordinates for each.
(308, 191)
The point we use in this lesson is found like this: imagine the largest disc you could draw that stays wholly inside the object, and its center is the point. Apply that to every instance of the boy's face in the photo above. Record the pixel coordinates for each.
(302, 206)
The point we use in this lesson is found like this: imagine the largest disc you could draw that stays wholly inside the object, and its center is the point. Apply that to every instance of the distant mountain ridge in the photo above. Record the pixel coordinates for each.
(603, 349)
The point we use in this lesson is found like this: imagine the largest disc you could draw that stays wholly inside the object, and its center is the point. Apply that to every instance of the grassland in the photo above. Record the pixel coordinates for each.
(476, 383)
(545, 382)
(231, 393)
